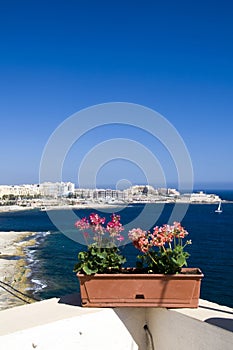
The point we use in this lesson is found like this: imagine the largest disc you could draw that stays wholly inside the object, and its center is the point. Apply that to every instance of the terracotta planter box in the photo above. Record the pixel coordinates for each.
(141, 290)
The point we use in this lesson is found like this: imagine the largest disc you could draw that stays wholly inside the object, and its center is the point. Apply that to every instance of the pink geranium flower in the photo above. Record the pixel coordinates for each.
(102, 233)
(170, 255)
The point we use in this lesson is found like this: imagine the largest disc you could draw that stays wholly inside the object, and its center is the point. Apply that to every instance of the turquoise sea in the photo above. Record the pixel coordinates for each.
(52, 258)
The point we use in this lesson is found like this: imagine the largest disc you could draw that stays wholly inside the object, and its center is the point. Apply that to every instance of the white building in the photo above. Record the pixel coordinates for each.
(204, 198)
(19, 190)
(56, 189)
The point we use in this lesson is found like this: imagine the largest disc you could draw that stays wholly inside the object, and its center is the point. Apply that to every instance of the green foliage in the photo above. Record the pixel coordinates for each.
(99, 260)
(169, 261)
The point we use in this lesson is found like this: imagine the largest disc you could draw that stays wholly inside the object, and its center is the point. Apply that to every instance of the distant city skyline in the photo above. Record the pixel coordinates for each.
(175, 58)
(55, 192)
(197, 187)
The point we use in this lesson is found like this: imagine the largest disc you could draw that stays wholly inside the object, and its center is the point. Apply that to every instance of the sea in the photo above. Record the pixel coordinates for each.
(51, 259)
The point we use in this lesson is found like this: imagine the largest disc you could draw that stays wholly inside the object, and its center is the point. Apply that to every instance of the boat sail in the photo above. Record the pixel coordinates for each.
(219, 210)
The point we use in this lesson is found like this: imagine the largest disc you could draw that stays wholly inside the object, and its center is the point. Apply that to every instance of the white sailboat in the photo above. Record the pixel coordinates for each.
(219, 209)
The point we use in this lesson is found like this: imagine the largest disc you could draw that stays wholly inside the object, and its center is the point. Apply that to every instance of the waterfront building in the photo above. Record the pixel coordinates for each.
(56, 189)
(202, 197)
(17, 191)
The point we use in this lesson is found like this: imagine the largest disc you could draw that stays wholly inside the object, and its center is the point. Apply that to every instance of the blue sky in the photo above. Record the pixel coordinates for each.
(58, 57)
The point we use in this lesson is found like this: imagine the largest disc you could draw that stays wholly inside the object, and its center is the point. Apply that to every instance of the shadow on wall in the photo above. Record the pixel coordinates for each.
(71, 299)
(225, 323)
(222, 322)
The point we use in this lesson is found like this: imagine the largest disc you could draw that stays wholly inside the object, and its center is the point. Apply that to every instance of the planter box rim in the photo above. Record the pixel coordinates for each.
(186, 271)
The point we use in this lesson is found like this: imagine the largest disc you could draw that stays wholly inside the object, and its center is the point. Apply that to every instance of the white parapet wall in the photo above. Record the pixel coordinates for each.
(210, 327)
(58, 324)
(52, 325)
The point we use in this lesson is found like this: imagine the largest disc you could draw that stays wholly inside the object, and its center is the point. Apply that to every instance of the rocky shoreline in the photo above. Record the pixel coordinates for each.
(13, 268)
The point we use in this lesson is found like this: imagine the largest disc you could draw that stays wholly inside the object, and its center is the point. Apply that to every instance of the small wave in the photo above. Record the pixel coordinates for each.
(44, 233)
(38, 284)
(31, 251)
(32, 262)
(30, 254)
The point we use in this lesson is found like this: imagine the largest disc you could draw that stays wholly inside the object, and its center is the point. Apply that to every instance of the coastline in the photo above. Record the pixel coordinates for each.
(13, 267)
(17, 208)
(13, 208)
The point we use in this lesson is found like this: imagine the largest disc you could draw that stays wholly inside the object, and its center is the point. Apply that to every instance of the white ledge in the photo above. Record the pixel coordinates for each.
(61, 323)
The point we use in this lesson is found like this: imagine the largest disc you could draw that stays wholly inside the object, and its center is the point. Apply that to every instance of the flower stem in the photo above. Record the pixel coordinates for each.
(151, 257)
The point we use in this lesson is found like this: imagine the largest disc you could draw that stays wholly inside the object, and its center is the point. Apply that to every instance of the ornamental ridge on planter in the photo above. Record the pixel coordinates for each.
(141, 290)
